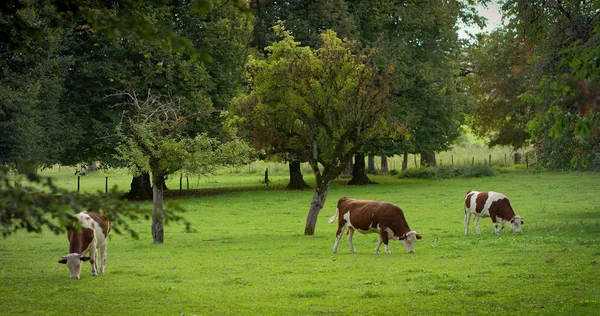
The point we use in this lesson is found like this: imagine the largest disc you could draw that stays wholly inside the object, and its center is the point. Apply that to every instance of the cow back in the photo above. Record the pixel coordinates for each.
(368, 215)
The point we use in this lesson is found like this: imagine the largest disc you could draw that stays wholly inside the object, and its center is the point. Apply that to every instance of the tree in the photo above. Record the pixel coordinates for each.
(306, 20)
(422, 40)
(32, 131)
(322, 105)
(496, 82)
(552, 83)
(153, 138)
(134, 62)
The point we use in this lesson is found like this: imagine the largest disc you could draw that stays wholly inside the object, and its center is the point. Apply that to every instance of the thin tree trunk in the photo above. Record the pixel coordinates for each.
(384, 164)
(371, 164)
(296, 179)
(315, 207)
(405, 161)
(359, 176)
(158, 231)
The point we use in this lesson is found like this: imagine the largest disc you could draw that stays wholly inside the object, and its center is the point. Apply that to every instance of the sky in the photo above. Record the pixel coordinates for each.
(491, 13)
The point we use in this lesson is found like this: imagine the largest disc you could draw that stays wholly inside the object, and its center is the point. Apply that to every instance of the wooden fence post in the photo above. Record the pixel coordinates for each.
(267, 176)
(106, 186)
(78, 182)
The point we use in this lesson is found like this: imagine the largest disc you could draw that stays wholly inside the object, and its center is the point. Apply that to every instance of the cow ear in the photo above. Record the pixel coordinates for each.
(85, 258)
(419, 236)
(521, 222)
(63, 260)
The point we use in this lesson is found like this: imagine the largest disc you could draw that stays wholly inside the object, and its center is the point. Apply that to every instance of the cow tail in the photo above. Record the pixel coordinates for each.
(332, 219)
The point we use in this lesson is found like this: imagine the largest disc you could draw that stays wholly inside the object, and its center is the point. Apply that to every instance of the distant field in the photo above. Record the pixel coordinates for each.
(246, 255)
(470, 151)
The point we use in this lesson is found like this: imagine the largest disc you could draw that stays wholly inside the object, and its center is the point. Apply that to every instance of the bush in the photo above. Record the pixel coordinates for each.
(447, 172)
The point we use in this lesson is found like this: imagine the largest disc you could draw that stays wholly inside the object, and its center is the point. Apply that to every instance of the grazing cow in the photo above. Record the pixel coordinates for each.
(494, 205)
(93, 235)
(384, 218)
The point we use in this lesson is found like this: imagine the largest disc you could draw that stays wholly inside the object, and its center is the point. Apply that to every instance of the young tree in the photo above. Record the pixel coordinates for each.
(322, 105)
(154, 139)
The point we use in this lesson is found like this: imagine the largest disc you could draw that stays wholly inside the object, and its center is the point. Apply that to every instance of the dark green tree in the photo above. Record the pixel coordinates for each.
(322, 105)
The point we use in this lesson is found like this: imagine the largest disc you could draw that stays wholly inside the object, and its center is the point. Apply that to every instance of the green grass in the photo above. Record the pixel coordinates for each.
(246, 255)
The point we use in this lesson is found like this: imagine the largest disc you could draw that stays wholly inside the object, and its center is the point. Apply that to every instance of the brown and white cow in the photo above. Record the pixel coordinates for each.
(365, 216)
(93, 236)
(494, 205)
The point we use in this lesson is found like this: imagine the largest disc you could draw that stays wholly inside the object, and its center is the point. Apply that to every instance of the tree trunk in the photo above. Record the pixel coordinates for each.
(158, 231)
(371, 164)
(140, 189)
(296, 179)
(315, 207)
(384, 164)
(428, 159)
(347, 172)
(359, 176)
(404, 161)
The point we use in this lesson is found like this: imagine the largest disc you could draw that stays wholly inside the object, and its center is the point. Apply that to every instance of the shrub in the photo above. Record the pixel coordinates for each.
(447, 172)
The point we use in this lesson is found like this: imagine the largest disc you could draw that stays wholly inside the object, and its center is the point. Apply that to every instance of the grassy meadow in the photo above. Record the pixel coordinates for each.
(246, 255)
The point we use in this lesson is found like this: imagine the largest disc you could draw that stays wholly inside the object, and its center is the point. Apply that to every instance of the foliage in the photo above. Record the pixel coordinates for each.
(36, 204)
(32, 131)
(496, 83)
(320, 105)
(305, 19)
(448, 172)
(561, 40)
(421, 40)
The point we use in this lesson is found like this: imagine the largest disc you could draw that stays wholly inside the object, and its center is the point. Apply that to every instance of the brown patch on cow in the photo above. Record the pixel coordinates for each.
(80, 241)
(501, 208)
(468, 199)
(480, 202)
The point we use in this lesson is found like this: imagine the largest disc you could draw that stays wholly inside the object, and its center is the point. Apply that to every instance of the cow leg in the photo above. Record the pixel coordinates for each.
(383, 236)
(103, 252)
(476, 222)
(338, 236)
(350, 234)
(93, 260)
(467, 220)
(498, 225)
(378, 244)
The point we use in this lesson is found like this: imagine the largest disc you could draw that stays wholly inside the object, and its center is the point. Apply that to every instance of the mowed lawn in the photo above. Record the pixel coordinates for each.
(247, 255)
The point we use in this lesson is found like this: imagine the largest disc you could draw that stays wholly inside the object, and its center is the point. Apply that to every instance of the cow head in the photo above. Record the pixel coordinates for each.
(409, 239)
(515, 224)
(73, 262)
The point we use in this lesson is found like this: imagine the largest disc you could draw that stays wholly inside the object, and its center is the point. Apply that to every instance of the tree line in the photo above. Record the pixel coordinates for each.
(165, 86)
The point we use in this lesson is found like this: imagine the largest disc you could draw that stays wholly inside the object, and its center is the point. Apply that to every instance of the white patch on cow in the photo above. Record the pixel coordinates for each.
(515, 224)
(74, 264)
(410, 240)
